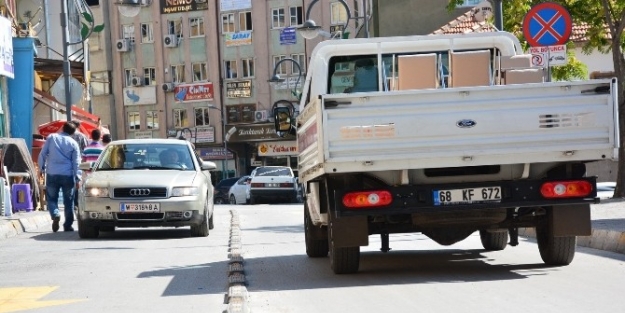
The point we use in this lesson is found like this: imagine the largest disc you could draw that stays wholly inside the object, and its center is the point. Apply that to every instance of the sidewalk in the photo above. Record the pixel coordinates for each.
(608, 226)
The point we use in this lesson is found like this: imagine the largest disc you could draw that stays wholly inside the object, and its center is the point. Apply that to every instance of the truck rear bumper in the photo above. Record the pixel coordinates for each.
(411, 199)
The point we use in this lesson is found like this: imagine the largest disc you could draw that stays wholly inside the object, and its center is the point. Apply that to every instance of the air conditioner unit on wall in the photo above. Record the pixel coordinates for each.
(168, 87)
(123, 45)
(136, 81)
(171, 41)
(260, 116)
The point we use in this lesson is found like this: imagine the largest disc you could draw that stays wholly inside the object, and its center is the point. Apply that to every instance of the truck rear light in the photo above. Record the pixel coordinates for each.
(367, 199)
(566, 189)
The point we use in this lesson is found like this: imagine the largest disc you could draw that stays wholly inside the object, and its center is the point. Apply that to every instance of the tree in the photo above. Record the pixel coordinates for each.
(605, 20)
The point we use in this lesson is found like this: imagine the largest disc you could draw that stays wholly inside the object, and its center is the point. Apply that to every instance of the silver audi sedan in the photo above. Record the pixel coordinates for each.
(146, 183)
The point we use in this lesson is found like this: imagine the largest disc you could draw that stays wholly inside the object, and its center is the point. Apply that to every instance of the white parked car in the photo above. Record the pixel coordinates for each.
(273, 183)
(146, 183)
(240, 192)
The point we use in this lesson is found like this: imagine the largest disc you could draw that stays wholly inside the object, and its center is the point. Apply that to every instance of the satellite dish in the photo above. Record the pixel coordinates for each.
(75, 90)
(129, 8)
(483, 11)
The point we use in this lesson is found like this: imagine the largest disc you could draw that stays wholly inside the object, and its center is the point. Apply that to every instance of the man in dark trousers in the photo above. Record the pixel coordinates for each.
(59, 160)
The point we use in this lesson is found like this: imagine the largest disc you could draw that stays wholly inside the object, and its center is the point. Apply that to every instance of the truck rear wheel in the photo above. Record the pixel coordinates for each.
(343, 260)
(495, 240)
(316, 247)
(555, 250)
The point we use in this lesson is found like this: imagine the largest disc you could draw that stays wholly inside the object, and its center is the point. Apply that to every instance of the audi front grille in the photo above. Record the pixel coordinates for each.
(139, 192)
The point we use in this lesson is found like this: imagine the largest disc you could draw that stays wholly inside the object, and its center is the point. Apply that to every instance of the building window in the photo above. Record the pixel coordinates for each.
(227, 23)
(278, 19)
(470, 3)
(147, 33)
(282, 70)
(151, 119)
(201, 117)
(196, 27)
(338, 14)
(230, 68)
(175, 28)
(297, 15)
(177, 73)
(134, 122)
(149, 76)
(300, 58)
(180, 118)
(245, 21)
(100, 83)
(248, 68)
(129, 73)
(199, 72)
(128, 32)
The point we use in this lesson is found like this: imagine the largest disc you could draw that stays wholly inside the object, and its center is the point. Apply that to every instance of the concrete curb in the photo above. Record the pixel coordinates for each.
(23, 222)
(237, 296)
(600, 239)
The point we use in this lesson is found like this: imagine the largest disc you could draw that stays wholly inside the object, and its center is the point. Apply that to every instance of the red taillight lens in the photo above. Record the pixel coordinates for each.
(367, 199)
(257, 185)
(566, 189)
(284, 185)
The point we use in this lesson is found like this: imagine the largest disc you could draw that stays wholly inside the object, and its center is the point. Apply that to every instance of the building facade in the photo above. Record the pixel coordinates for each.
(200, 71)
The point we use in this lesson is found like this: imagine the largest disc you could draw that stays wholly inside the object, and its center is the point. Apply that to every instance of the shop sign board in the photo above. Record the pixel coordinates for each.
(233, 5)
(238, 39)
(288, 36)
(240, 89)
(139, 95)
(6, 48)
(214, 153)
(251, 132)
(173, 6)
(194, 92)
(204, 134)
(143, 134)
(278, 148)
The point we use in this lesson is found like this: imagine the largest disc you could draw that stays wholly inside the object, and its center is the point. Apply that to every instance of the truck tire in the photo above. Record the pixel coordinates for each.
(315, 247)
(555, 250)
(344, 260)
(494, 240)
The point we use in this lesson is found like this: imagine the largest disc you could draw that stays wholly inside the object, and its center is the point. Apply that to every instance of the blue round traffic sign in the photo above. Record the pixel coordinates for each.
(547, 24)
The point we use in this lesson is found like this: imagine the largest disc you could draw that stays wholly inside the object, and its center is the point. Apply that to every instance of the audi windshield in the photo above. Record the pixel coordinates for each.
(142, 156)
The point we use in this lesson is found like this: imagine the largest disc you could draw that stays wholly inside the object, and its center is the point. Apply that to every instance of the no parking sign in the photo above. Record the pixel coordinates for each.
(547, 24)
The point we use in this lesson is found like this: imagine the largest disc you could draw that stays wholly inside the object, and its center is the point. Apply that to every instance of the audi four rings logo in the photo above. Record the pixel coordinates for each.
(139, 192)
(466, 123)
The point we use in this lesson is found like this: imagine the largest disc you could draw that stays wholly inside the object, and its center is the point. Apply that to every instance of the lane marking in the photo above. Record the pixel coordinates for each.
(26, 298)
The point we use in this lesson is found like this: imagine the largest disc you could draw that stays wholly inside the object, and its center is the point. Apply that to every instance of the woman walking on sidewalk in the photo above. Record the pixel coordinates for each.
(59, 160)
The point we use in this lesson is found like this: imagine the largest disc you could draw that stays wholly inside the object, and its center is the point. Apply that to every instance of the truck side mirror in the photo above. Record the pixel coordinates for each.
(283, 120)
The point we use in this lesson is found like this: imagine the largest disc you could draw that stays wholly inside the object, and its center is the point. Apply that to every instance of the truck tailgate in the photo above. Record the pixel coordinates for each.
(527, 123)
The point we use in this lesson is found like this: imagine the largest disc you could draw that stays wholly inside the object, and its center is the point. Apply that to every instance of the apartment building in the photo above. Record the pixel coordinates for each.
(200, 71)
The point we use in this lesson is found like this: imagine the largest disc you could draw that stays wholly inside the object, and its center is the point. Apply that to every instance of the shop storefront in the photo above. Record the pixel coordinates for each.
(218, 156)
(6, 70)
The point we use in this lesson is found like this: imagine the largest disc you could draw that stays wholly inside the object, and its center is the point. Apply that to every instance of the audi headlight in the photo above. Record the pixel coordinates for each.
(97, 192)
(185, 191)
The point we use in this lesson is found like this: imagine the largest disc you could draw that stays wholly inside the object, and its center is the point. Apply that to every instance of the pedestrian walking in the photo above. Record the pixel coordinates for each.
(94, 148)
(80, 138)
(59, 160)
(106, 139)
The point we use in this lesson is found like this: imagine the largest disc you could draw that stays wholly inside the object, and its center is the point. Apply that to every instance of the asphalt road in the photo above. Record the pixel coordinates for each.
(166, 270)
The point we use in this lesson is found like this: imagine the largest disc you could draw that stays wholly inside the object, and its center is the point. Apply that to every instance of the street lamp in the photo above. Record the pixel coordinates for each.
(310, 29)
(224, 166)
(275, 78)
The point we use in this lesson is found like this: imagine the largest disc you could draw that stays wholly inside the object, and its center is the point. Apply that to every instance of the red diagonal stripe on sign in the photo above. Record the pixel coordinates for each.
(547, 26)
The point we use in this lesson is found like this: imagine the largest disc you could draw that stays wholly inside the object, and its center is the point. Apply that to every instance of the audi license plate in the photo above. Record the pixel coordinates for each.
(140, 207)
(467, 196)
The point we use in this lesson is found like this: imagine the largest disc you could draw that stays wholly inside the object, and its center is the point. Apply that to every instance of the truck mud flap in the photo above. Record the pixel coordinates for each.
(570, 220)
(349, 231)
